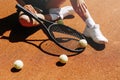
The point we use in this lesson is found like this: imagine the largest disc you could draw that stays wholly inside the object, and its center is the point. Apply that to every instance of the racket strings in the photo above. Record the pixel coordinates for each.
(64, 30)
(66, 37)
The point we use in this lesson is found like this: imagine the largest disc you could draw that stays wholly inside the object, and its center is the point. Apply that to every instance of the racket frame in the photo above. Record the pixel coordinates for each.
(20, 8)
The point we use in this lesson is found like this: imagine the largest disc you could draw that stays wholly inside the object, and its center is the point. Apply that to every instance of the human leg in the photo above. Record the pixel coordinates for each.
(92, 29)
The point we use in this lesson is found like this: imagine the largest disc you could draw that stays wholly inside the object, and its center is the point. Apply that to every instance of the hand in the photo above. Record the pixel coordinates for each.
(80, 8)
(30, 8)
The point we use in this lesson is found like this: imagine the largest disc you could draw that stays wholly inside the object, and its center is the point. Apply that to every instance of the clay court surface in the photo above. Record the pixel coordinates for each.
(96, 62)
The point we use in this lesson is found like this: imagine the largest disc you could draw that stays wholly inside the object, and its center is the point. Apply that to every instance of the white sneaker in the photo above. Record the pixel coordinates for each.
(62, 12)
(65, 11)
(95, 34)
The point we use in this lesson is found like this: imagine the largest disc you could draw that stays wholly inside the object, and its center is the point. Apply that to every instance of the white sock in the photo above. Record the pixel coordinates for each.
(54, 16)
(89, 21)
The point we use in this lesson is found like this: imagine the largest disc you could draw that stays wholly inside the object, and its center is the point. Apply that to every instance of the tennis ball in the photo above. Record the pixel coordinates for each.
(63, 58)
(18, 64)
(60, 21)
(83, 43)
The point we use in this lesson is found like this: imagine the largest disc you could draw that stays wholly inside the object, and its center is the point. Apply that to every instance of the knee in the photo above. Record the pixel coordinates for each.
(26, 21)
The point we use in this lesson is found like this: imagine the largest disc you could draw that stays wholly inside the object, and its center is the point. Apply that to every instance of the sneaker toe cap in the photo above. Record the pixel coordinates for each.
(101, 40)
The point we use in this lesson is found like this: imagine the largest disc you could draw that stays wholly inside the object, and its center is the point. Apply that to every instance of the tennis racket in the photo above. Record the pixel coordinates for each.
(64, 36)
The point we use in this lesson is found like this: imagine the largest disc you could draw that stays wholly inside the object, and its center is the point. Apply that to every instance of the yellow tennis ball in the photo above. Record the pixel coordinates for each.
(63, 58)
(18, 64)
(83, 43)
(60, 21)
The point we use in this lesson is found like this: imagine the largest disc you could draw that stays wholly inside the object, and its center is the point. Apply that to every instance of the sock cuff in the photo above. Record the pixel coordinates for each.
(89, 21)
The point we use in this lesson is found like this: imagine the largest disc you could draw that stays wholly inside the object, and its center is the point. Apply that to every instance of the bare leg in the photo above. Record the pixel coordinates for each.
(92, 29)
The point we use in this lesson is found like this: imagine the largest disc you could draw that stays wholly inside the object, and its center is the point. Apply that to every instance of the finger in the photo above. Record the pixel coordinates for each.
(32, 9)
(83, 8)
(85, 5)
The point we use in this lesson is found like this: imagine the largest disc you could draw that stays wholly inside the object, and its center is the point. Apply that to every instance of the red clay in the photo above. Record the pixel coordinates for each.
(97, 62)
